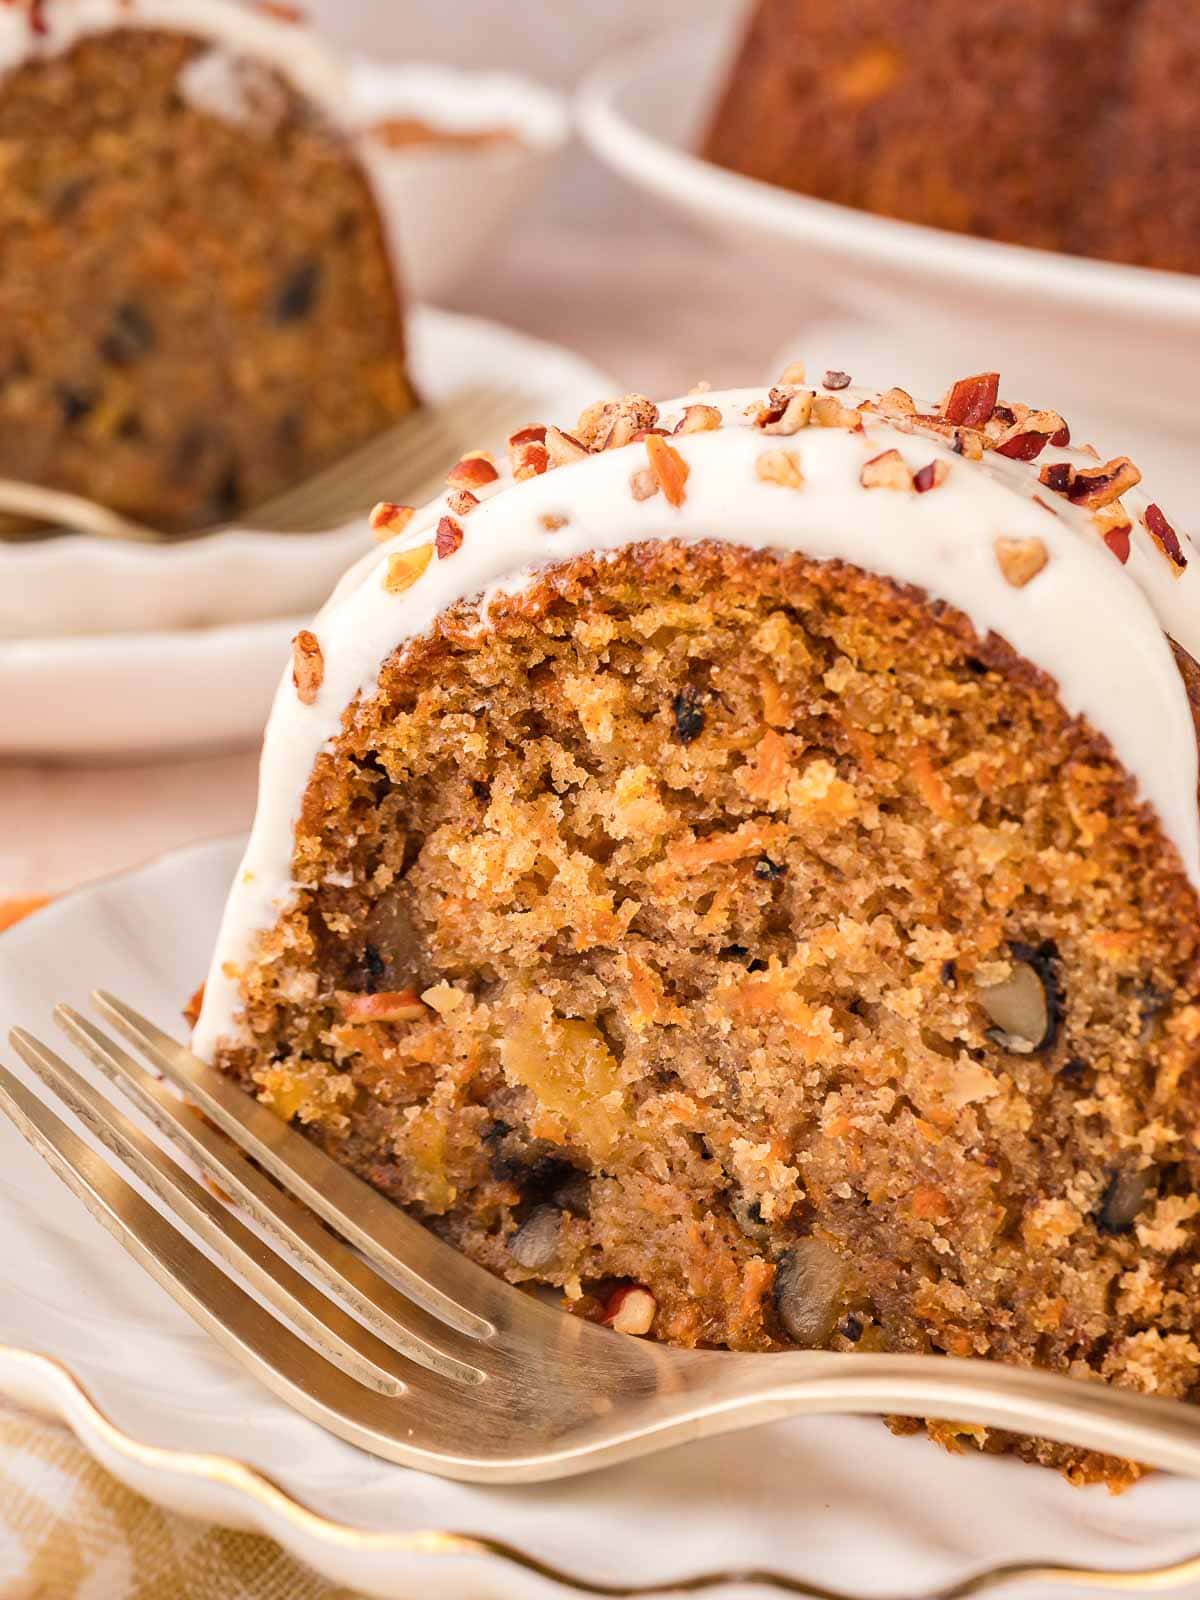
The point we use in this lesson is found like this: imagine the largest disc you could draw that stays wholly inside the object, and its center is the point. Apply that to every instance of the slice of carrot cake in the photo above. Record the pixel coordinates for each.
(746, 850)
(197, 304)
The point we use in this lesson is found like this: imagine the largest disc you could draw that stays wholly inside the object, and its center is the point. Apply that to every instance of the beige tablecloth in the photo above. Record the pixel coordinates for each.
(70, 1532)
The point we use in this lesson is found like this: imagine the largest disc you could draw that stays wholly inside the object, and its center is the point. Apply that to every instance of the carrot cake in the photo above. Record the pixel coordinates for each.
(737, 860)
(197, 305)
(1072, 127)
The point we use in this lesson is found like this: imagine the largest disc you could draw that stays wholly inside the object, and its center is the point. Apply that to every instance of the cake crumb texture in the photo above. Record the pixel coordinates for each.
(744, 930)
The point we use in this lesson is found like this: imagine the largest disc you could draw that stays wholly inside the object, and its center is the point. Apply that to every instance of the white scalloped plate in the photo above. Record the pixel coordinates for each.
(1067, 322)
(164, 682)
(815, 1505)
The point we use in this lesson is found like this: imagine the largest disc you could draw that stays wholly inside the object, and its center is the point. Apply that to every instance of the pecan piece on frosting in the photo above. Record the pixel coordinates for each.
(930, 476)
(405, 567)
(698, 419)
(971, 401)
(1020, 560)
(1165, 537)
(1094, 487)
(781, 467)
(472, 472)
(449, 537)
(888, 470)
(308, 666)
(389, 519)
(786, 411)
(612, 423)
(829, 412)
(563, 448)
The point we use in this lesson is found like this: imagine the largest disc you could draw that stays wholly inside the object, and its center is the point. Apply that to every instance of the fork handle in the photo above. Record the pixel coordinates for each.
(1025, 1400)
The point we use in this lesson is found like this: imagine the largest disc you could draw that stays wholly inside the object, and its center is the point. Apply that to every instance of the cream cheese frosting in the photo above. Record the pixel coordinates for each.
(1097, 626)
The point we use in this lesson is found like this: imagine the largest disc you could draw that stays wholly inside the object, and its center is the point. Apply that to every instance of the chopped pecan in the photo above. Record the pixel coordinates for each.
(896, 403)
(449, 537)
(1165, 537)
(399, 1005)
(308, 666)
(930, 476)
(1100, 486)
(563, 448)
(781, 467)
(789, 416)
(971, 400)
(472, 472)
(886, 471)
(1117, 540)
(1057, 475)
(529, 461)
(643, 484)
(829, 412)
(389, 519)
(1020, 560)
(405, 567)
(630, 1309)
(698, 419)
(612, 423)
(534, 433)
(1025, 446)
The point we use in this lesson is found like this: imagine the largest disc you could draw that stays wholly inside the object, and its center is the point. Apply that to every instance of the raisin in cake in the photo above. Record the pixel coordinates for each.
(197, 306)
(1074, 128)
(747, 850)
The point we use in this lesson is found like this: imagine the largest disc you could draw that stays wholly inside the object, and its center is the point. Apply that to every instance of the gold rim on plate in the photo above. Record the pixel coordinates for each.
(266, 1494)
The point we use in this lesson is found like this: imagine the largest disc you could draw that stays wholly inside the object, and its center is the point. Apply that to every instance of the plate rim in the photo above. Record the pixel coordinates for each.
(64, 1395)
(259, 1490)
(1168, 300)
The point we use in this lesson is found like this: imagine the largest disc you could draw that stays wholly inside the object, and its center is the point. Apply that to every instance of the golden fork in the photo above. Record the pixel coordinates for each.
(395, 1342)
(407, 462)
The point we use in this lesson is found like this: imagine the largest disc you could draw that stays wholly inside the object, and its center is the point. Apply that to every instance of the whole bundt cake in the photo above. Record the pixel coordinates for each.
(737, 861)
(1071, 127)
(197, 307)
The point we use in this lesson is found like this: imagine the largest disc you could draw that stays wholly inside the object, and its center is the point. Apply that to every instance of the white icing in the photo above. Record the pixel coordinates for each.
(1095, 626)
(292, 48)
(452, 101)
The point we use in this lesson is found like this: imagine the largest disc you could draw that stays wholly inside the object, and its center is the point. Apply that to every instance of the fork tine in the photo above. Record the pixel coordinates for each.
(385, 1311)
(419, 449)
(359, 1354)
(386, 1235)
(243, 1327)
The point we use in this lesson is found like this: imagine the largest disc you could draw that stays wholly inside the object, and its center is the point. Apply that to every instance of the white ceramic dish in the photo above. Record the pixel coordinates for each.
(445, 203)
(164, 681)
(831, 1504)
(1062, 325)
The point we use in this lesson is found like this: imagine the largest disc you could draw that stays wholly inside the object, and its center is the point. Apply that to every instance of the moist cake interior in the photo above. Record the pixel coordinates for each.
(746, 929)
